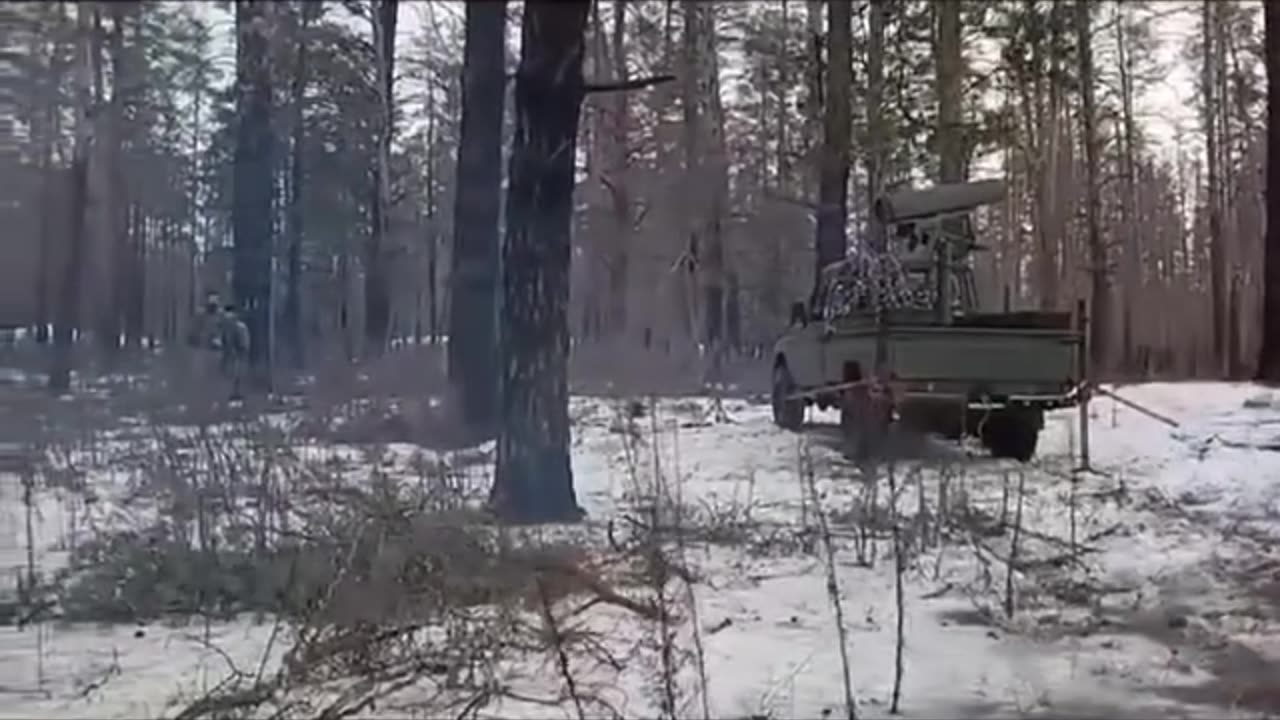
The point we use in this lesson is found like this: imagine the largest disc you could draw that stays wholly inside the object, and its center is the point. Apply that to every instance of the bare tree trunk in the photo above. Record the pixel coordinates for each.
(533, 479)
(950, 67)
(433, 233)
(815, 73)
(1268, 369)
(49, 129)
(1099, 263)
(473, 367)
(291, 319)
(782, 179)
(1217, 267)
(104, 254)
(694, 197)
(615, 166)
(715, 268)
(1050, 224)
(1133, 283)
(377, 291)
(876, 131)
(68, 306)
(135, 274)
(254, 186)
(833, 182)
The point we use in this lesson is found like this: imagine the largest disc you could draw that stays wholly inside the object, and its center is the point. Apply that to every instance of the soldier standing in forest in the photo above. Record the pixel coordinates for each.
(233, 337)
(219, 331)
(203, 338)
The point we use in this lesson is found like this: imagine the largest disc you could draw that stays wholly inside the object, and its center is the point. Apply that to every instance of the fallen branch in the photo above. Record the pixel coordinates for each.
(626, 85)
(640, 83)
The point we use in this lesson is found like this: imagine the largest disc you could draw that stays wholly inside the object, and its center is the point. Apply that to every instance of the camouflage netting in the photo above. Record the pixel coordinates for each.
(857, 283)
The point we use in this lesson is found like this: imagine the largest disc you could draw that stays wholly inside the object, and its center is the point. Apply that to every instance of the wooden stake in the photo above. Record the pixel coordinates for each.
(1086, 386)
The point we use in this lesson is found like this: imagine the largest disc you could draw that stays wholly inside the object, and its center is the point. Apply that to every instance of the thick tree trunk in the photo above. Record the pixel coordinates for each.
(950, 67)
(50, 128)
(617, 162)
(1217, 266)
(1269, 353)
(782, 111)
(533, 480)
(714, 262)
(949, 62)
(472, 352)
(377, 281)
(876, 154)
(252, 201)
(1099, 263)
(833, 179)
(106, 328)
(1050, 225)
(695, 197)
(814, 100)
(71, 276)
(291, 319)
(1132, 284)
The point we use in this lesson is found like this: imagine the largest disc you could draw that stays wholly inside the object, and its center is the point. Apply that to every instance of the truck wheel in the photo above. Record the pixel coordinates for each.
(864, 420)
(787, 414)
(1013, 433)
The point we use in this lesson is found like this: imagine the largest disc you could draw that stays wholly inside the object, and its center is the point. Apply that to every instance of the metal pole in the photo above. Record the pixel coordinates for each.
(1082, 365)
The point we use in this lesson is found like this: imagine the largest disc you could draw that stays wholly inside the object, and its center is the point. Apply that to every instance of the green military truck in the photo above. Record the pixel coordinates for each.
(902, 335)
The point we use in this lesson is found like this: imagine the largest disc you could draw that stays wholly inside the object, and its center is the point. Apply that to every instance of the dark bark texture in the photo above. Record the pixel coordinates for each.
(253, 174)
(472, 353)
(68, 305)
(1099, 261)
(833, 181)
(533, 481)
(377, 297)
(1269, 355)
(291, 319)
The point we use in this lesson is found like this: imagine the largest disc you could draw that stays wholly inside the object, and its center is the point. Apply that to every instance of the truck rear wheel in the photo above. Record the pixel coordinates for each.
(788, 414)
(1012, 433)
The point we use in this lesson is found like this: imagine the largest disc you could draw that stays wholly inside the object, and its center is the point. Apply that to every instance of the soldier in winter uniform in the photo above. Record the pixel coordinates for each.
(203, 339)
(233, 338)
(221, 341)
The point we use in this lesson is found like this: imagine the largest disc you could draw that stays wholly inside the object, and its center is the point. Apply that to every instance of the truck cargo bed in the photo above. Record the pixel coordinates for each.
(1030, 319)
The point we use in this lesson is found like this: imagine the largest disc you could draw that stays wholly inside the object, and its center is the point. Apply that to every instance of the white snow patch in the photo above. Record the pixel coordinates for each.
(1188, 500)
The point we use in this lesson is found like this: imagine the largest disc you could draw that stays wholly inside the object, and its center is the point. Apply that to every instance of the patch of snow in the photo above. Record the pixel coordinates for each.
(1167, 514)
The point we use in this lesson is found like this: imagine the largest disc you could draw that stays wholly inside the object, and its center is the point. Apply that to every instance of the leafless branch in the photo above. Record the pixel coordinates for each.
(627, 85)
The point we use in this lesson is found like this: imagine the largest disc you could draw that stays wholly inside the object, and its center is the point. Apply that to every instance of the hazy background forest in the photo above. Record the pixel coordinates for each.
(1171, 100)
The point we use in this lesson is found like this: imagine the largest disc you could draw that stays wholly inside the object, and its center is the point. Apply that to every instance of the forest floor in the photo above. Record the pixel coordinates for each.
(1147, 587)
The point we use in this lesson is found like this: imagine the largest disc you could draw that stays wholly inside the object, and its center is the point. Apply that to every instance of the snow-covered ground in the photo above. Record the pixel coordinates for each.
(1167, 602)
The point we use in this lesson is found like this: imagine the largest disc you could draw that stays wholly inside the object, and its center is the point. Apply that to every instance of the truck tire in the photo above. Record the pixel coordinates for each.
(787, 414)
(1013, 433)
